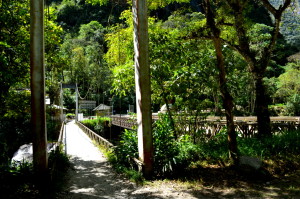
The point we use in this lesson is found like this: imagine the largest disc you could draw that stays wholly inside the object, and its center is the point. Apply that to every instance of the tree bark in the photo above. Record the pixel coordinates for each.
(171, 118)
(261, 108)
(38, 109)
(257, 66)
(142, 82)
(226, 96)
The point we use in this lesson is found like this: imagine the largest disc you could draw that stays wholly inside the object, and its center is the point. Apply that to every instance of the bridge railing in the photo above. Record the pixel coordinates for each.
(97, 138)
(124, 121)
(212, 125)
(103, 142)
(60, 140)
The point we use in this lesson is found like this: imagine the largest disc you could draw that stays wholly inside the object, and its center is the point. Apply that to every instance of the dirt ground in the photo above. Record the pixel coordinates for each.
(93, 178)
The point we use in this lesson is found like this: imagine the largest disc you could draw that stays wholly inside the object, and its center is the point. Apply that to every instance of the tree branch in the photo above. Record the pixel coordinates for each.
(277, 15)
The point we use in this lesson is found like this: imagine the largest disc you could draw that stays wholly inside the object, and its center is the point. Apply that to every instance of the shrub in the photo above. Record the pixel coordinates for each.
(127, 148)
(165, 147)
(285, 143)
(70, 115)
(97, 125)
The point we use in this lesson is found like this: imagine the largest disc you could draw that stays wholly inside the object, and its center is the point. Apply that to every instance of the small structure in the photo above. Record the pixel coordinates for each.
(102, 110)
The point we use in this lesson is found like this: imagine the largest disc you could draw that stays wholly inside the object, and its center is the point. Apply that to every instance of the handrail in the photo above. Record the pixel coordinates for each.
(60, 137)
(100, 140)
(245, 126)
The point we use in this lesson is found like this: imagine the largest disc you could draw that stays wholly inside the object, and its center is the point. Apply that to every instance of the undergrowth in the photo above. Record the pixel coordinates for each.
(19, 180)
(98, 125)
(129, 172)
(173, 156)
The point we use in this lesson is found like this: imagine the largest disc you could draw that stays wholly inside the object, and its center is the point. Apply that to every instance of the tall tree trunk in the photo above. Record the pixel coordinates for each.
(227, 98)
(38, 109)
(258, 65)
(227, 102)
(142, 82)
(261, 108)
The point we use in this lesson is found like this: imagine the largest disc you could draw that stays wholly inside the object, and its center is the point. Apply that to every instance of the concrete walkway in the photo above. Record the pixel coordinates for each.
(93, 178)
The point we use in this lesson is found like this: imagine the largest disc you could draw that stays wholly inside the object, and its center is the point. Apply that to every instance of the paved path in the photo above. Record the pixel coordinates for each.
(93, 178)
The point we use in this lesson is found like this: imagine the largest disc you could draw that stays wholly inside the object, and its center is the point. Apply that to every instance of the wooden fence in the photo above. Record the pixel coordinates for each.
(94, 136)
(103, 142)
(212, 125)
(60, 137)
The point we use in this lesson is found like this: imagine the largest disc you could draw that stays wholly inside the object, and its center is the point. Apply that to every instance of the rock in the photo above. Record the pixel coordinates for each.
(249, 164)
(25, 153)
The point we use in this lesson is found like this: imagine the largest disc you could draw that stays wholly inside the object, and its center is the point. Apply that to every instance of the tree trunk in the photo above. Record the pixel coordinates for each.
(142, 82)
(261, 108)
(38, 108)
(258, 65)
(171, 118)
(227, 98)
(227, 103)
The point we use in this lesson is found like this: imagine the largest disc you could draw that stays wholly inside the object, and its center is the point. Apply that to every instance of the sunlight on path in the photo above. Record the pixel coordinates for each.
(80, 145)
(93, 178)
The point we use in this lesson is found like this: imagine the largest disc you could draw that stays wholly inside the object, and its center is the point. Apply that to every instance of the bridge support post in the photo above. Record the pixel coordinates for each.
(37, 72)
(142, 83)
(76, 110)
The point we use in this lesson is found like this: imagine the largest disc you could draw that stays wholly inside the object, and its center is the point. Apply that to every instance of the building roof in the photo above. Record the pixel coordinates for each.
(102, 107)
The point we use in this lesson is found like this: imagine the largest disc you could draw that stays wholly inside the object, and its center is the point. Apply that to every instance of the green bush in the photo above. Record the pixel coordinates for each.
(98, 125)
(211, 150)
(284, 143)
(165, 147)
(171, 155)
(70, 115)
(127, 148)
(293, 105)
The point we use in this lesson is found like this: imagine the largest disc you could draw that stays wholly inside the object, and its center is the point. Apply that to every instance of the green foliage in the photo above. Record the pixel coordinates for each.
(127, 148)
(282, 144)
(72, 13)
(152, 4)
(293, 105)
(164, 144)
(14, 124)
(98, 125)
(17, 181)
(165, 148)
(289, 82)
(14, 47)
(70, 115)
(287, 87)
(59, 163)
(122, 167)
(120, 56)
(84, 61)
(100, 2)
